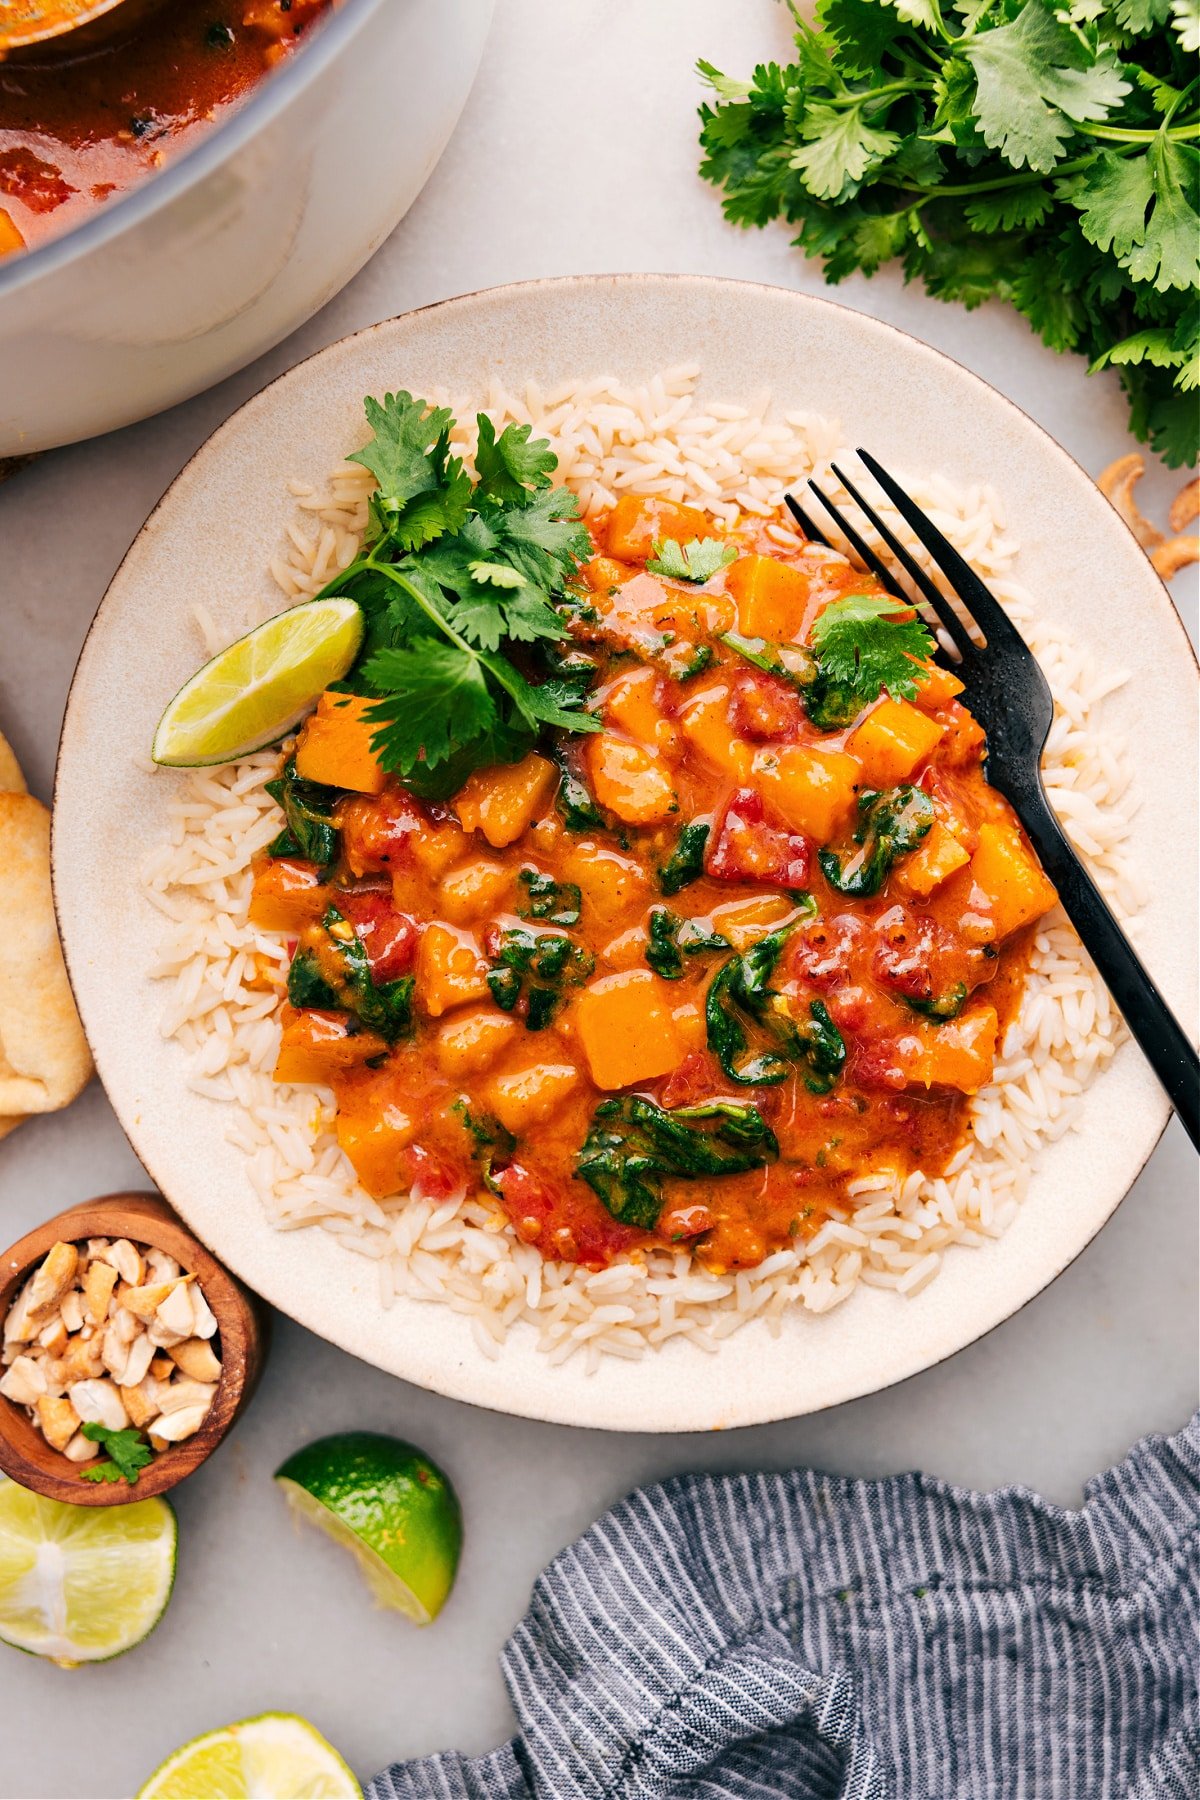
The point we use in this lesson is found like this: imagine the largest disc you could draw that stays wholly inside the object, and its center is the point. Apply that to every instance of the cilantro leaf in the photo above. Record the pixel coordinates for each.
(840, 146)
(697, 561)
(432, 701)
(1145, 210)
(867, 643)
(128, 1453)
(423, 490)
(508, 465)
(1031, 89)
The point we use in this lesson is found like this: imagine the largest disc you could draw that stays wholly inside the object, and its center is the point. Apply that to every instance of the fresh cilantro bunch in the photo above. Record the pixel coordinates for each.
(463, 582)
(1045, 155)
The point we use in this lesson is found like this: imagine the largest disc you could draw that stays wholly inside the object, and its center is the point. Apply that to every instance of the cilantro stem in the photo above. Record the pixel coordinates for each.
(1118, 134)
(431, 612)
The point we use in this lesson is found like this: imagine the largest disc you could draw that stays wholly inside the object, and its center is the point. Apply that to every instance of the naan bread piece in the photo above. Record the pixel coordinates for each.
(44, 1060)
(11, 779)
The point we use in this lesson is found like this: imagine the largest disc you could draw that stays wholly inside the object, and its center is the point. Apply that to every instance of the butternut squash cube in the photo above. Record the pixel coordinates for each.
(10, 241)
(1017, 890)
(436, 848)
(316, 1046)
(812, 790)
(936, 685)
(631, 781)
(374, 1138)
(707, 724)
(530, 1096)
(609, 882)
(473, 1041)
(474, 891)
(630, 705)
(451, 970)
(959, 1054)
(335, 746)
(743, 922)
(892, 740)
(500, 802)
(287, 895)
(627, 1027)
(935, 859)
(772, 598)
(636, 523)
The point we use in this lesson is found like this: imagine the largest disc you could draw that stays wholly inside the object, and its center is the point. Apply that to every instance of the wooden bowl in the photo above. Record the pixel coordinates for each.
(242, 1333)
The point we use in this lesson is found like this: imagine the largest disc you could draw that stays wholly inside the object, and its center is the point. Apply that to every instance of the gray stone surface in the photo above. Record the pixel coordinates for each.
(576, 153)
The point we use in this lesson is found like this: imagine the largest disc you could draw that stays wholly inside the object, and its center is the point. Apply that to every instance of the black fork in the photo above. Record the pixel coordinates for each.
(1009, 696)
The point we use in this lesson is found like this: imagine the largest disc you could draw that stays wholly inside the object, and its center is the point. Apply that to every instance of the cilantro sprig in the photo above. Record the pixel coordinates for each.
(1047, 155)
(865, 645)
(460, 581)
(127, 1450)
(696, 561)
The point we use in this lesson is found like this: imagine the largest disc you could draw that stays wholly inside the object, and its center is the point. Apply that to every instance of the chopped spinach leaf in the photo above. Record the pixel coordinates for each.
(334, 973)
(634, 1145)
(306, 986)
(576, 807)
(536, 966)
(670, 939)
(308, 809)
(741, 1002)
(558, 902)
(686, 862)
(891, 823)
(941, 1007)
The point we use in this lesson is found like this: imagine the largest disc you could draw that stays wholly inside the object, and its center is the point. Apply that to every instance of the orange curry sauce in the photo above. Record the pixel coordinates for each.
(431, 890)
(76, 133)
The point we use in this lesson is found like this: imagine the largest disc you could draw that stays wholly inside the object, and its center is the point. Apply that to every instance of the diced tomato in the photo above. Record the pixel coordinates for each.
(389, 937)
(819, 953)
(698, 1077)
(430, 1174)
(562, 1232)
(766, 706)
(919, 958)
(377, 831)
(745, 848)
(878, 1065)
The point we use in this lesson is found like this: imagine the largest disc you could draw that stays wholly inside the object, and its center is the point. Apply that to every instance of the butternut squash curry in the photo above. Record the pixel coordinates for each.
(76, 133)
(645, 872)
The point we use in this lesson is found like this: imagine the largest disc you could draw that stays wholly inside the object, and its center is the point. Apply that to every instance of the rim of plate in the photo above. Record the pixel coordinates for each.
(873, 1343)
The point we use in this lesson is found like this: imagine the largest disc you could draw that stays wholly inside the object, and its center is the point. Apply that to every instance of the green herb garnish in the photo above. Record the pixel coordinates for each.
(890, 824)
(686, 862)
(575, 805)
(459, 581)
(634, 1145)
(1000, 149)
(941, 1007)
(670, 939)
(742, 1005)
(865, 645)
(308, 808)
(128, 1453)
(697, 561)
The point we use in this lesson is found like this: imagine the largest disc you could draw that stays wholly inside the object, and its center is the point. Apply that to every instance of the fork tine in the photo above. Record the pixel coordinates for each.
(980, 603)
(859, 544)
(933, 596)
(811, 531)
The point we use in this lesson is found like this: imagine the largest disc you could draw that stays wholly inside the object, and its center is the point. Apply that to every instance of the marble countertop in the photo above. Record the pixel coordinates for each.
(263, 1618)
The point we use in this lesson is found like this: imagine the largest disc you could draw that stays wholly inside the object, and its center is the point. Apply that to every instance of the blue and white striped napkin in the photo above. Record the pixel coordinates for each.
(801, 1637)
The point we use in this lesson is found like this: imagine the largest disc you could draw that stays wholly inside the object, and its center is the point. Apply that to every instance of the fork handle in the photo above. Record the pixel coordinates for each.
(1153, 1024)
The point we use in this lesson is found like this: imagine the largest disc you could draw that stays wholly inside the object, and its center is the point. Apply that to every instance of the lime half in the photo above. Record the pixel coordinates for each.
(257, 689)
(391, 1507)
(81, 1583)
(276, 1756)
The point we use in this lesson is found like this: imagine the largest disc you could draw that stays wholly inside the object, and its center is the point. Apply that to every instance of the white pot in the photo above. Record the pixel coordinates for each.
(210, 263)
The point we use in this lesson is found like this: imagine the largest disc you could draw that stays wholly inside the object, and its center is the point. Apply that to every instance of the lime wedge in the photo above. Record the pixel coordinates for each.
(388, 1505)
(276, 1756)
(80, 1583)
(257, 689)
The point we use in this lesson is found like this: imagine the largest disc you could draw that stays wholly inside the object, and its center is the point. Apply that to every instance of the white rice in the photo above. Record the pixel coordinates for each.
(730, 460)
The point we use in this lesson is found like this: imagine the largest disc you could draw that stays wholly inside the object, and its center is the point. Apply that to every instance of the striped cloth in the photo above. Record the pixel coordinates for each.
(751, 1637)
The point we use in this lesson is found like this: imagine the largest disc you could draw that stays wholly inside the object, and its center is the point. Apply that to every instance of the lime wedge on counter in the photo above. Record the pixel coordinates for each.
(391, 1507)
(257, 689)
(276, 1756)
(80, 1583)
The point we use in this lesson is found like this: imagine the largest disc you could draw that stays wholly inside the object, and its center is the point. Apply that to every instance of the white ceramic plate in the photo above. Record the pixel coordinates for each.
(209, 540)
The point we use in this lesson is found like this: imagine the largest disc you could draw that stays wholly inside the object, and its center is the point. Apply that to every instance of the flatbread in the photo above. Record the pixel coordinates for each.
(11, 779)
(44, 1059)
